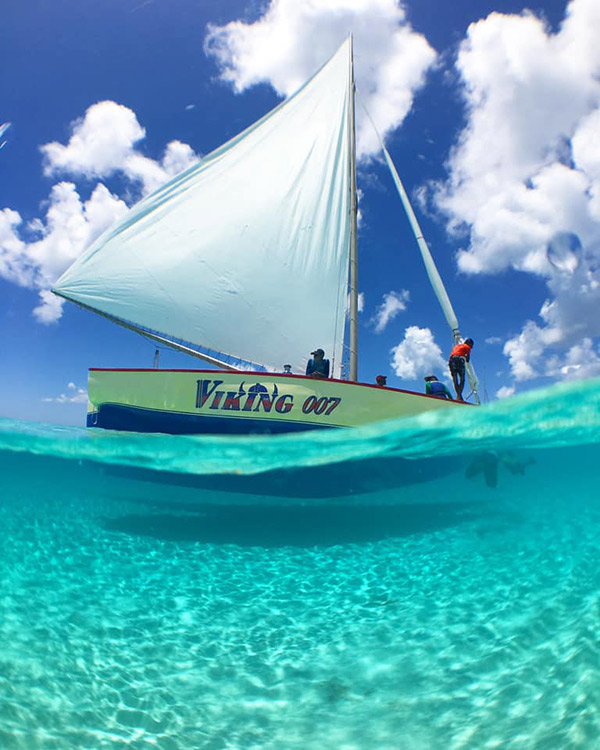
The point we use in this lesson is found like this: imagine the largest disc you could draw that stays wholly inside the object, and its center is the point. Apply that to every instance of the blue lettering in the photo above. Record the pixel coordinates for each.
(281, 406)
(265, 402)
(250, 402)
(204, 392)
(217, 400)
(232, 402)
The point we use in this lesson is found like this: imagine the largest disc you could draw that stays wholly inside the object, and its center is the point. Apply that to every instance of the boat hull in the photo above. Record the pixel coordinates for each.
(236, 403)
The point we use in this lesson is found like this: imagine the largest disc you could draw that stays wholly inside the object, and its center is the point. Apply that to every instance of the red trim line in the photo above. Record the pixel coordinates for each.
(270, 374)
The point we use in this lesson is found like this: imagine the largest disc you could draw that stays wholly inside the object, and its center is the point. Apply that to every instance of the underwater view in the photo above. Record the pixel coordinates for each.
(418, 584)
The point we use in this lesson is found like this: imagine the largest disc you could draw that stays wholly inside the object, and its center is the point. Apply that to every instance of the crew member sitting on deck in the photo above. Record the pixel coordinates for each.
(460, 354)
(318, 367)
(433, 387)
(381, 380)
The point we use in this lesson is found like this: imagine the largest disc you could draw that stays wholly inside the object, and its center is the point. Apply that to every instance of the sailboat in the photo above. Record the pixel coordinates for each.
(247, 260)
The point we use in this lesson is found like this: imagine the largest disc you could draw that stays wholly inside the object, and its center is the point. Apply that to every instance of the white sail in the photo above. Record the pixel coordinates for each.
(245, 254)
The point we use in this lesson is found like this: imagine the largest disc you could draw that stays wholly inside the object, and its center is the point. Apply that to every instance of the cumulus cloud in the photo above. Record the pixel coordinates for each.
(102, 143)
(75, 395)
(505, 391)
(527, 354)
(291, 40)
(36, 255)
(12, 267)
(393, 303)
(581, 361)
(525, 351)
(417, 354)
(524, 177)
(50, 308)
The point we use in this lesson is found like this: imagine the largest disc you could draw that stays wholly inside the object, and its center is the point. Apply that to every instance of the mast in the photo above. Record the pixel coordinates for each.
(430, 267)
(353, 374)
(432, 272)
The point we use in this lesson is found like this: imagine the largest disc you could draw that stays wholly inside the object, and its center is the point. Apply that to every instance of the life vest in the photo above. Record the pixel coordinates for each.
(437, 389)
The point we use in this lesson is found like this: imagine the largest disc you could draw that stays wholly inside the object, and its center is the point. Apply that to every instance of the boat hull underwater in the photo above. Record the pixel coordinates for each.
(187, 402)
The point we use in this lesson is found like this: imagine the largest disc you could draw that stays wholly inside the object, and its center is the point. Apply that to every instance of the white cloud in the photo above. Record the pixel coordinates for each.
(529, 358)
(101, 143)
(77, 396)
(11, 250)
(417, 354)
(505, 391)
(70, 225)
(50, 308)
(292, 39)
(177, 157)
(525, 351)
(493, 340)
(582, 361)
(393, 303)
(525, 173)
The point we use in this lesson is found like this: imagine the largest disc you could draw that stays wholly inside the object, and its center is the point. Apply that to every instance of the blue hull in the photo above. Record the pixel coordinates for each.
(134, 419)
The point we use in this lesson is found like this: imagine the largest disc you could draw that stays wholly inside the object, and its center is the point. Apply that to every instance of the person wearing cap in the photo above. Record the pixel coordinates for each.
(460, 354)
(433, 387)
(381, 381)
(318, 366)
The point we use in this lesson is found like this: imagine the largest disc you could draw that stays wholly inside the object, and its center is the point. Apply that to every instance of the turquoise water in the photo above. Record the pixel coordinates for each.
(355, 590)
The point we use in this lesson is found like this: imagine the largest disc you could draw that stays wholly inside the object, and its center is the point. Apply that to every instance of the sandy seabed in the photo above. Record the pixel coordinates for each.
(471, 621)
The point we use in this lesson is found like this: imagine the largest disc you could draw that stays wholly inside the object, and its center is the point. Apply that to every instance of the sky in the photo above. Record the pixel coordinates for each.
(490, 110)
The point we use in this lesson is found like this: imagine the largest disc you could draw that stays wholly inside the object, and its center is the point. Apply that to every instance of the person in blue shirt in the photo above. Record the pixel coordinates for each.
(433, 387)
(318, 366)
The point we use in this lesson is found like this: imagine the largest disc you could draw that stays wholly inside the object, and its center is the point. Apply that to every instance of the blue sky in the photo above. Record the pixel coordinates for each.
(491, 111)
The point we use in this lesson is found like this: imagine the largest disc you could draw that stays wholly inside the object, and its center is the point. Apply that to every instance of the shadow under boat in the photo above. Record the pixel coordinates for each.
(343, 479)
(295, 526)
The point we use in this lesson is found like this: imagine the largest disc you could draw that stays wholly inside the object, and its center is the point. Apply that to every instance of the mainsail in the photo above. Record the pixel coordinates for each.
(246, 253)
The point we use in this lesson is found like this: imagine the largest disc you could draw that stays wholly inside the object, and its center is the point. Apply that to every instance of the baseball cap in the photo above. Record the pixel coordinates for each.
(318, 351)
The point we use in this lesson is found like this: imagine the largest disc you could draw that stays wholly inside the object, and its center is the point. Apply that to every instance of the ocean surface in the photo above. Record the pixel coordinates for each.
(415, 585)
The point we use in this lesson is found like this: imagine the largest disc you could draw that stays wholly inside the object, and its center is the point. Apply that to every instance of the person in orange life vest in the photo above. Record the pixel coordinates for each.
(318, 367)
(459, 355)
(433, 387)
